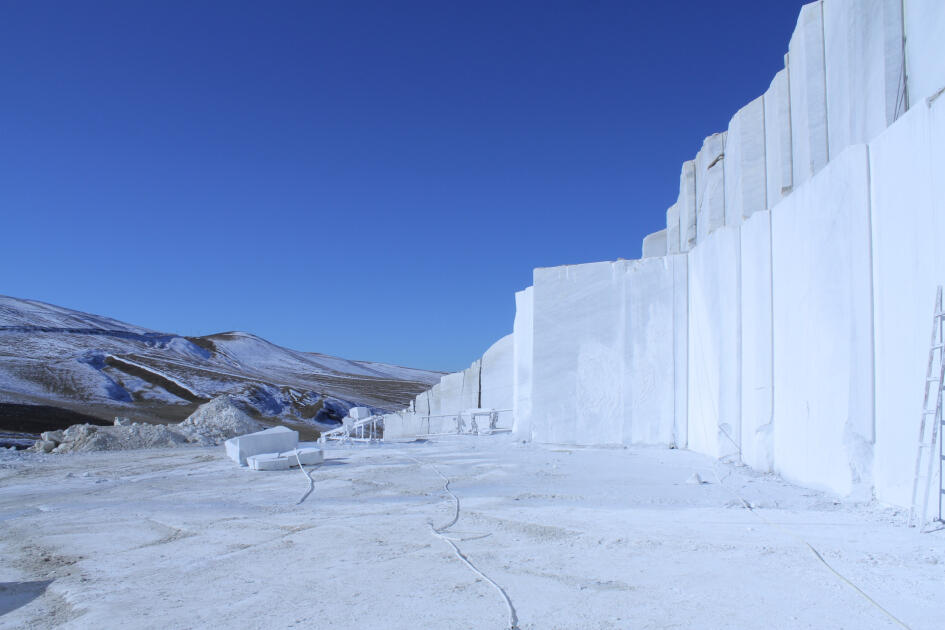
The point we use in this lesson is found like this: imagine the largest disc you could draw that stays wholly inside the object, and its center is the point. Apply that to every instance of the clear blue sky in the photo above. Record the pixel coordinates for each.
(373, 180)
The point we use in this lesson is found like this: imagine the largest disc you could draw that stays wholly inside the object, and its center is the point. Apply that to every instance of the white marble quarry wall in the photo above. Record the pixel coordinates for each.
(498, 379)
(686, 202)
(785, 320)
(864, 69)
(745, 175)
(451, 391)
(925, 62)
(710, 186)
(421, 404)
(649, 381)
(577, 372)
(472, 389)
(756, 342)
(779, 169)
(402, 425)
(523, 334)
(822, 325)
(714, 337)
(672, 230)
(808, 89)
(654, 244)
(908, 228)
(681, 350)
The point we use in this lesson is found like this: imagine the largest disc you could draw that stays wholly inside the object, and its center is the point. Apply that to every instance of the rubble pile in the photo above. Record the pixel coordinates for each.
(212, 423)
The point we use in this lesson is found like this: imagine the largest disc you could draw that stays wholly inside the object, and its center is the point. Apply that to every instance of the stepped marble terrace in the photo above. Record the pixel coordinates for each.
(781, 319)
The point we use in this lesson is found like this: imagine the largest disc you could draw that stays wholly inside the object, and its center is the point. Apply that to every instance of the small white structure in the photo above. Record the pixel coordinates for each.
(274, 440)
(359, 413)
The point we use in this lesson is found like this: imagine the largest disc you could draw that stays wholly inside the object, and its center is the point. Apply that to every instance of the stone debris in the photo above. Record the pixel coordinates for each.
(211, 424)
(219, 420)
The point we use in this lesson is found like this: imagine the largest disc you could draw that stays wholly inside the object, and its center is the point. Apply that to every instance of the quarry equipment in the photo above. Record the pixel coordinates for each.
(930, 431)
(352, 429)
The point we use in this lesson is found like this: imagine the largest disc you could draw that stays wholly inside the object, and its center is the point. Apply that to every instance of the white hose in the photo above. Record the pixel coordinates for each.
(817, 554)
(439, 532)
(311, 482)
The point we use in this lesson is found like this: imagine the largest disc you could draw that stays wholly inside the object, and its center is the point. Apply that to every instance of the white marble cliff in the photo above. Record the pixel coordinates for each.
(782, 317)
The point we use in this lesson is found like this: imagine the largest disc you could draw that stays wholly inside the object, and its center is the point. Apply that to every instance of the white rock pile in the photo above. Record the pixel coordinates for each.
(212, 423)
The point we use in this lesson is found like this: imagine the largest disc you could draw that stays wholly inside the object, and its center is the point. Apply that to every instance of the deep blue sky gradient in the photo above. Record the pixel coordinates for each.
(372, 180)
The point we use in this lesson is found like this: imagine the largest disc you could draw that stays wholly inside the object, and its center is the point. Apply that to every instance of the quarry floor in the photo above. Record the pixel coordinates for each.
(578, 538)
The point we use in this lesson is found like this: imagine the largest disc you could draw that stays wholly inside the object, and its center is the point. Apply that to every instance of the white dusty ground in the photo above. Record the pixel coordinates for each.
(578, 537)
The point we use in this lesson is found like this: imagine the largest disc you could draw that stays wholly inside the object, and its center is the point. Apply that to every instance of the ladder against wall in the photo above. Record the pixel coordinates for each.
(931, 454)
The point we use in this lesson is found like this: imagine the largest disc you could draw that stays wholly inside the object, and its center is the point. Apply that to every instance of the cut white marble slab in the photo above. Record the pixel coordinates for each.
(654, 244)
(745, 183)
(577, 394)
(267, 461)
(908, 227)
(714, 337)
(778, 155)
(681, 349)
(687, 206)
(756, 344)
(808, 88)
(822, 313)
(274, 440)
(672, 230)
(925, 59)
(649, 380)
(498, 379)
(864, 69)
(523, 335)
(710, 186)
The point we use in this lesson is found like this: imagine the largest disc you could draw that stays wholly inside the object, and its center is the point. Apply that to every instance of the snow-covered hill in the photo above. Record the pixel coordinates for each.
(61, 358)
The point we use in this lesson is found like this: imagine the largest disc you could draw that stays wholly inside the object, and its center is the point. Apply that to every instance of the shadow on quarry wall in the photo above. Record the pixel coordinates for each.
(15, 595)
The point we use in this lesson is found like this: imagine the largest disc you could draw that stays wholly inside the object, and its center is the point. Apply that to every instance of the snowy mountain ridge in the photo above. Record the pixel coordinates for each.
(62, 358)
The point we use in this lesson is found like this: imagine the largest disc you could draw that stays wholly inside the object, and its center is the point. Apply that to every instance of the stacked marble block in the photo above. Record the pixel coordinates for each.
(272, 449)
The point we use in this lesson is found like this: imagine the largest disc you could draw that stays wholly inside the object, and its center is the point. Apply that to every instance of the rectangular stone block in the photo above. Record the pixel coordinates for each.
(710, 186)
(925, 62)
(864, 64)
(808, 89)
(756, 345)
(523, 335)
(822, 312)
(578, 354)
(267, 461)
(654, 244)
(779, 166)
(745, 177)
(498, 379)
(672, 230)
(274, 440)
(714, 338)
(687, 206)
(908, 228)
(650, 378)
(308, 456)
(681, 349)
